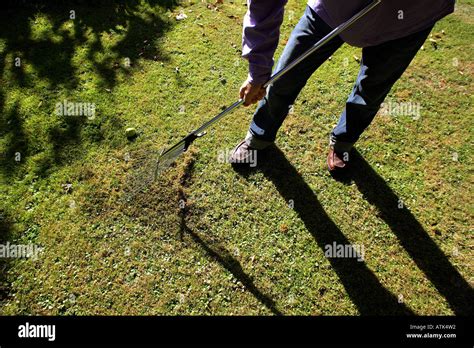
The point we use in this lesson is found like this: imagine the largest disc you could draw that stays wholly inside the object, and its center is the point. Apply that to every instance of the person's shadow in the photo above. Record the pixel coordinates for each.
(429, 258)
(363, 287)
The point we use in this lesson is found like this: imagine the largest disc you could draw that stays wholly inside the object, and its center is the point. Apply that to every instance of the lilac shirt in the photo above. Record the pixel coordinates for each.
(390, 20)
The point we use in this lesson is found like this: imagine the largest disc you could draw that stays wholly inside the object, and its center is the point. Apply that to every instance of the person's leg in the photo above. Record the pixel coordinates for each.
(273, 109)
(381, 67)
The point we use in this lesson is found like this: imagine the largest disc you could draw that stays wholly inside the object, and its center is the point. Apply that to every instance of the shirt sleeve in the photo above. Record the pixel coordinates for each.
(261, 32)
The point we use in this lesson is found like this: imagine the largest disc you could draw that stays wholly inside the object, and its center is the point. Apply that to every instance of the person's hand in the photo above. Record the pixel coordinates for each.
(251, 93)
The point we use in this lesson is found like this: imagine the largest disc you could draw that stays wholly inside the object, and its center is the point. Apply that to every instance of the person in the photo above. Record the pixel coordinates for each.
(390, 36)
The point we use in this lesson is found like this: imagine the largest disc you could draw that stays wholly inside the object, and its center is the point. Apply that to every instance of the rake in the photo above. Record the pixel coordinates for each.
(169, 156)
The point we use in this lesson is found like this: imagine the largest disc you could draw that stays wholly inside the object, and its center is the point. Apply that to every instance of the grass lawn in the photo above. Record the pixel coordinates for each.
(206, 239)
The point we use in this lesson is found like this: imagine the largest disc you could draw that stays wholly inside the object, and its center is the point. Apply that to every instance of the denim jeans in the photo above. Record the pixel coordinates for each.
(381, 66)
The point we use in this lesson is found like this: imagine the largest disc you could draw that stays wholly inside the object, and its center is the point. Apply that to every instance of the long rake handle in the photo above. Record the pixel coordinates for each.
(335, 32)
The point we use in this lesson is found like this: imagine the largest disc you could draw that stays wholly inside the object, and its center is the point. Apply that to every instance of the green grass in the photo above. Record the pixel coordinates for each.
(237, 247)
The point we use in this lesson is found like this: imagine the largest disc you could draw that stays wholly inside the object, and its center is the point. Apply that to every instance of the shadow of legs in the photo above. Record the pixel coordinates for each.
(363, 287)
(421, 248)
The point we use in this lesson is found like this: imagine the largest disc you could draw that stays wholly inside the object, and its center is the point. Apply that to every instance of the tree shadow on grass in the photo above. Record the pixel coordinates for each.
(16, 149)
(362, 286)
(51, 54)
(52, 57)
(429, 258)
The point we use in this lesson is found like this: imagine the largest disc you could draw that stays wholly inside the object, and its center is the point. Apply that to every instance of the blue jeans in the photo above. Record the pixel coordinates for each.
(381, 67)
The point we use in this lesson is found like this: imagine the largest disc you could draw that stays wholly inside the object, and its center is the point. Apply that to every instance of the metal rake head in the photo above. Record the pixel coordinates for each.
(169, 156)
